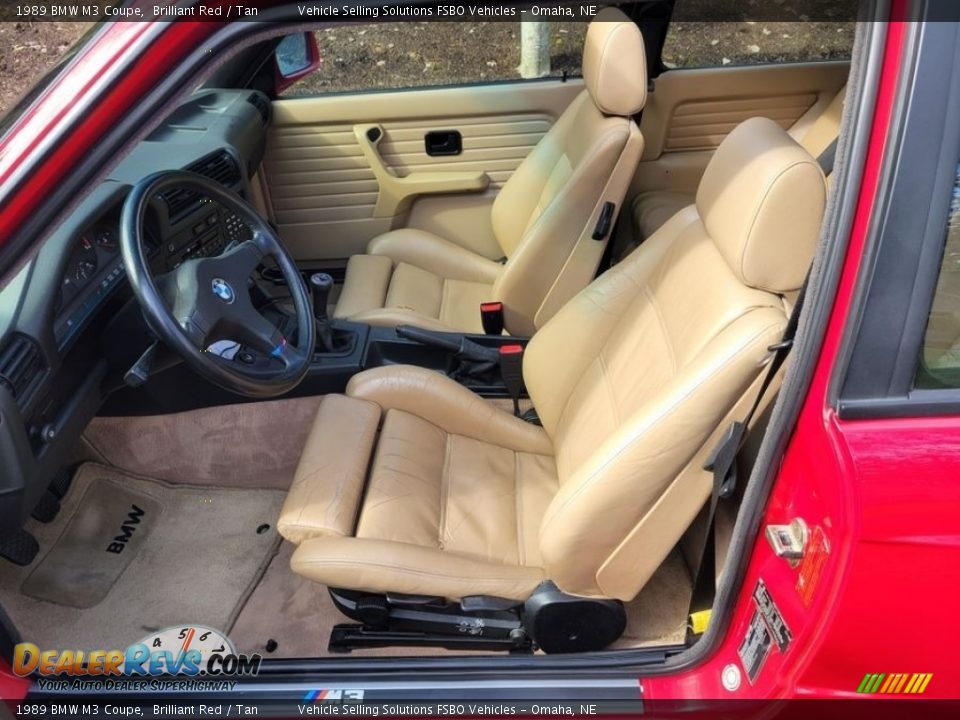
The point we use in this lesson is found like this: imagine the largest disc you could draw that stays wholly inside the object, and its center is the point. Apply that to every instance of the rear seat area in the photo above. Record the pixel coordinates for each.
(649, 210)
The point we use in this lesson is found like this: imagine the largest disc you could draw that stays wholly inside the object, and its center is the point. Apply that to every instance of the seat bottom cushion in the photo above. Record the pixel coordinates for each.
(449, 492)
(413, 277)
(410, 295)
(453, 500)
(652, 209)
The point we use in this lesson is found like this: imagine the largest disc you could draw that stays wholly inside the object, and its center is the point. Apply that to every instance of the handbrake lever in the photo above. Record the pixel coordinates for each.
(461, 347)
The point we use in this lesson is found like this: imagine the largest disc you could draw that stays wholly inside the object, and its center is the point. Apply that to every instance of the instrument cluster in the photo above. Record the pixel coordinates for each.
(94, 268)
(91, 253)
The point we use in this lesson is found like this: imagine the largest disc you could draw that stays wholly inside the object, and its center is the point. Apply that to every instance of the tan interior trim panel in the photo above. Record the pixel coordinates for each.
(323, 191)
(702, 124)
(695, 109)
(397, 191)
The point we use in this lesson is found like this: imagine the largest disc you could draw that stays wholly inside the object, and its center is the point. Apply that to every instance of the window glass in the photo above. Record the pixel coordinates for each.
(398, 55)
(715, 44)
(940, 356)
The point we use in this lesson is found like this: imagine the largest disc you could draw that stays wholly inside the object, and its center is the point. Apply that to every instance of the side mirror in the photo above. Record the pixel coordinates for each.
(295, 56)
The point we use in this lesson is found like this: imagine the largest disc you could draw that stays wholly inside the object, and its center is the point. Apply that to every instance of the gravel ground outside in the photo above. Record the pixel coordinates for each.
(385, 55)
(28, 50)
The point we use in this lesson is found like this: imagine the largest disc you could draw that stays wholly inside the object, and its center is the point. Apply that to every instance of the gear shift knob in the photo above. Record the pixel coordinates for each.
(321, 284)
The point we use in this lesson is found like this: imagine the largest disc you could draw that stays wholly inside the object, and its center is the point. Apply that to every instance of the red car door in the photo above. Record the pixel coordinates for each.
(871, 471)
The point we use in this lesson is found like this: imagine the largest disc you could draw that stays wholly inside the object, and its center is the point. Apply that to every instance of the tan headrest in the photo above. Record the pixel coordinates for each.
(615, 63)
(761, 200)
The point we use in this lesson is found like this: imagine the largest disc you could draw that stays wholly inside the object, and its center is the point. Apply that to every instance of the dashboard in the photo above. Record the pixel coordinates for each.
(182, 226)
(95, 253)
(68, 323)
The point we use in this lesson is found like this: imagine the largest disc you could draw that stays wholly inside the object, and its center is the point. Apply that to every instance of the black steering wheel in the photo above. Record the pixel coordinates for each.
(207, 299)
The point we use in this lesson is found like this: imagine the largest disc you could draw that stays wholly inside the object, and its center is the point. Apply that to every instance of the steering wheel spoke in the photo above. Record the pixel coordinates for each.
(240, 262)
(260, 334)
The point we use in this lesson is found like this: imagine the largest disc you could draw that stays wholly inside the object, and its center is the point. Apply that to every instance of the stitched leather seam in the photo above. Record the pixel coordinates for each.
(332, 562)
(602, 64)
(663, 326)
(605, 379)
(561, 416)
(518, 510)
(444, 301)
(312, 487)
(444, 490)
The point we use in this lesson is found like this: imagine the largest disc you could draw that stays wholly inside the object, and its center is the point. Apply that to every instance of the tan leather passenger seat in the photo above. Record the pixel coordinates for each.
(543, 218)
(633, 380)
(650, 210)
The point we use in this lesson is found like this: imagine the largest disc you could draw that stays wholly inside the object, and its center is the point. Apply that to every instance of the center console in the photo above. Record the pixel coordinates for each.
(371, 346)
(346, 348)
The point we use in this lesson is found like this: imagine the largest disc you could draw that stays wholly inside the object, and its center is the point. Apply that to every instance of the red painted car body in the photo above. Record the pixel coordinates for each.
(891, 544)
(893, 564)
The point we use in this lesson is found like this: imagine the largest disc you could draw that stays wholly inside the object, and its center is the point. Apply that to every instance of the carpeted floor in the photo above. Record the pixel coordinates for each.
(189, 555)
(658, 615)
(298, 615)
(253, 445)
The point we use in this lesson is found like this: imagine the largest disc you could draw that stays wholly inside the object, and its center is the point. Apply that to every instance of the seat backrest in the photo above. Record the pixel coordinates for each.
(825, 128)
(546, 212)
(635, 375)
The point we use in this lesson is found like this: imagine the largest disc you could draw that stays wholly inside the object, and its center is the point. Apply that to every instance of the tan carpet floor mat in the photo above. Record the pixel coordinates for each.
(127, 556)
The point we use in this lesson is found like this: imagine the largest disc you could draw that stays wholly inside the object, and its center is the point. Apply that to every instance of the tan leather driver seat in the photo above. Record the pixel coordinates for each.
(410, 483)
(543, 218)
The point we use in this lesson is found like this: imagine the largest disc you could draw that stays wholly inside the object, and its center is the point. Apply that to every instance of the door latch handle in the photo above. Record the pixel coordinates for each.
(438, 143)
(789, 541)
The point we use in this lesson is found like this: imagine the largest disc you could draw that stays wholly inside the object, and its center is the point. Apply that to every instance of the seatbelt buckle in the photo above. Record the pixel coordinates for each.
(491, 315)
(511, 370)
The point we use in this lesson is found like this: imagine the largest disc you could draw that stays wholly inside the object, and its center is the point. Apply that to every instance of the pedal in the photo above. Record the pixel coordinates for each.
(47, 509)
(61, 484)
(20, 548)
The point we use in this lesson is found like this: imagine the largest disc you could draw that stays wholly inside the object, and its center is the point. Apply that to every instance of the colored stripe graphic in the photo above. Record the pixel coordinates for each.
(894, 683)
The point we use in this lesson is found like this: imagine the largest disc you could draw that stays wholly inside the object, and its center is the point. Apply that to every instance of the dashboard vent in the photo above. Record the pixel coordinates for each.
(262, 105)
(219, 166)
(21, 367)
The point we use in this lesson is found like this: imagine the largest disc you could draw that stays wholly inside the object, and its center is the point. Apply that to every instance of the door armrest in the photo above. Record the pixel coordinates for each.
(396, 192)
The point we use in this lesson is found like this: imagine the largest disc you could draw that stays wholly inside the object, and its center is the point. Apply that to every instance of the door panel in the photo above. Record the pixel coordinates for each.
(702, 124)
(321, 191)
(691, 111)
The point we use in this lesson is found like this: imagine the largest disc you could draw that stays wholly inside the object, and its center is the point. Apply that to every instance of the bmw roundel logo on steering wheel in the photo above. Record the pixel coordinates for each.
(222, 289)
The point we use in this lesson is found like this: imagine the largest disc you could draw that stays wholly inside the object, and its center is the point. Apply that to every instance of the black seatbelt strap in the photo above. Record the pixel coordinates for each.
(828, 157)
(723, 464)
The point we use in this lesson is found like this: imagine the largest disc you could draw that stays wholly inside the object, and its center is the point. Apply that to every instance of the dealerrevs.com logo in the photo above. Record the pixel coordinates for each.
(193, 651)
